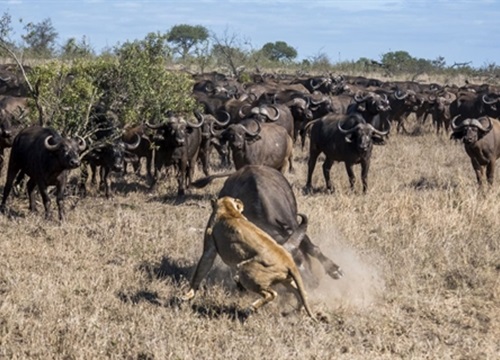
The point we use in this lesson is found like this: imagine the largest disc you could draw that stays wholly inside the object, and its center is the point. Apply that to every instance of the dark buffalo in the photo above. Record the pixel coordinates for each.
(108, 156)
(210, 141)
(269, 203)
(481, 138)
(255, 143)
(178, 143)
(46, 157)
(471, 105)
(372, 106)
(343, 138)
(6, 139)
(144, 150)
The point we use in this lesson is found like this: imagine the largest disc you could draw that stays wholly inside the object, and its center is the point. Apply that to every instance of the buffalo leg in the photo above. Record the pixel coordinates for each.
(311, 163)
(332, 269)
(60, 198)
(11, 175)
(365, 166)
(490, 171)
(479, 170)
(30, 189)
(350, 174)
(105, 181)
(327, 166)
(45, 199)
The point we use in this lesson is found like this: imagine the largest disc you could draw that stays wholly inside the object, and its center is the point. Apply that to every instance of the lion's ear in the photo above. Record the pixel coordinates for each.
(239, 205)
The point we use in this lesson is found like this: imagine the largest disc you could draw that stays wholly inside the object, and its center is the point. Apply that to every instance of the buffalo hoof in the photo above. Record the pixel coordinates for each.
(308, 190)
(335, 272)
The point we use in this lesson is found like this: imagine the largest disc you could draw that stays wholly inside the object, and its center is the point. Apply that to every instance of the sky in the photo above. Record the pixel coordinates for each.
(461, 31)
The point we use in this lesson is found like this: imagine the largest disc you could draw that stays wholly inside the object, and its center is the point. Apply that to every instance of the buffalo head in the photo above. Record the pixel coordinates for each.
(66, 150)
(362, 135)
(470, 130)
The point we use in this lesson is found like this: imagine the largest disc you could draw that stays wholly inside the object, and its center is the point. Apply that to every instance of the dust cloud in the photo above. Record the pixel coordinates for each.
(362, 284)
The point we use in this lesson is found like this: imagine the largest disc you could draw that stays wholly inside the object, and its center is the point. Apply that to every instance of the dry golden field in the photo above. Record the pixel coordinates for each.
(420, 252)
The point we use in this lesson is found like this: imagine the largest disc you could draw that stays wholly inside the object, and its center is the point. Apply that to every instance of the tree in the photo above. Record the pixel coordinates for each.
(41, 38)
(228, 50)
(186, 36)
(279, 51)
(73, 49)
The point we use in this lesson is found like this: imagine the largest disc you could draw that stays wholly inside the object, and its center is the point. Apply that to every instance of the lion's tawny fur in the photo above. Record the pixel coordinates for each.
(258, 259)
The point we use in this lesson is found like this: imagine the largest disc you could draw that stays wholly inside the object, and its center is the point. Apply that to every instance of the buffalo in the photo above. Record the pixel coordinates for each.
(178, 143)
(108, 156)
(344, 138)
(269, 144)
(271, 204)
(481, 138)
(46, 157)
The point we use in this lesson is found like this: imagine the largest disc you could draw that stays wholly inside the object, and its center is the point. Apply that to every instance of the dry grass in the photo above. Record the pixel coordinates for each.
(420, 253)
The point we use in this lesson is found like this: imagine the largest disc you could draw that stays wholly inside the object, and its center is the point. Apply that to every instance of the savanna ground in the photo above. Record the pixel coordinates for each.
(420, 252)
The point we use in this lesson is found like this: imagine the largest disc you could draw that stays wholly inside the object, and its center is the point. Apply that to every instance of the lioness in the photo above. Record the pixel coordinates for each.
(259, 261)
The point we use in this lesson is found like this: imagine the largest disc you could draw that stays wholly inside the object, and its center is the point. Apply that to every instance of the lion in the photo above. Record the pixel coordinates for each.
(259, 261)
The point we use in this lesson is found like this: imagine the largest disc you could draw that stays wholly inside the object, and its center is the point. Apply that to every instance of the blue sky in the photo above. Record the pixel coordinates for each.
(458, 30)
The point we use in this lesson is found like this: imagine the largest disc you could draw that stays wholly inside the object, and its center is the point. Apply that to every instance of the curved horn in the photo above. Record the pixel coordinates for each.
(348, 131)
(241, 112)
(153, 126)
(486, 99)
(196, 125)
(255, 110)
(50, 147)
(82, 144)
(266, 112)
(477, 123)
(380, 132)
(316, 86)
(223, 123)
(134, 145)
(400, 95)
(455, 127)
(215, 133)
(359, 98)
(253, 134)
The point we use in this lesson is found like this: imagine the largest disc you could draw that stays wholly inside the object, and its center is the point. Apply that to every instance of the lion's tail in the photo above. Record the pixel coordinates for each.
(297, 278)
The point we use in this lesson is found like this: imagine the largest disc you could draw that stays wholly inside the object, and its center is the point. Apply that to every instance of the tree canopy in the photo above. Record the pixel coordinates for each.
(279, 51)
(185, 37)
(41, 37)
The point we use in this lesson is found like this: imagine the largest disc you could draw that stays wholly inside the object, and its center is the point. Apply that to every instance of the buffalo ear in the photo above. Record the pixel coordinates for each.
(457, 135)
(348, 138)
(378, 140)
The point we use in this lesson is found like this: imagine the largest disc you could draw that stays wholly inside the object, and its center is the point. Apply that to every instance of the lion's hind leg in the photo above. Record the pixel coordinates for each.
(268, 295)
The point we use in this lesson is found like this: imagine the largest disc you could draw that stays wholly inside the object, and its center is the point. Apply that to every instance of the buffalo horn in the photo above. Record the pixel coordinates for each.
(379, 132)
(477, 123)
(226, 122)
(50, 147)
(400, 95)
(348, 131)
(134, 145)
(82, 144)
(359, 98)
(488, 101)
(198, 125)
(253, 134)
(265, 111)
(455, 127)
(241, 112)
(153, 126)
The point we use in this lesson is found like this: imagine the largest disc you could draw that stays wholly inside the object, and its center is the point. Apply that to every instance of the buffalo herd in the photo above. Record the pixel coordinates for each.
(255, 127)
(259, 122)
